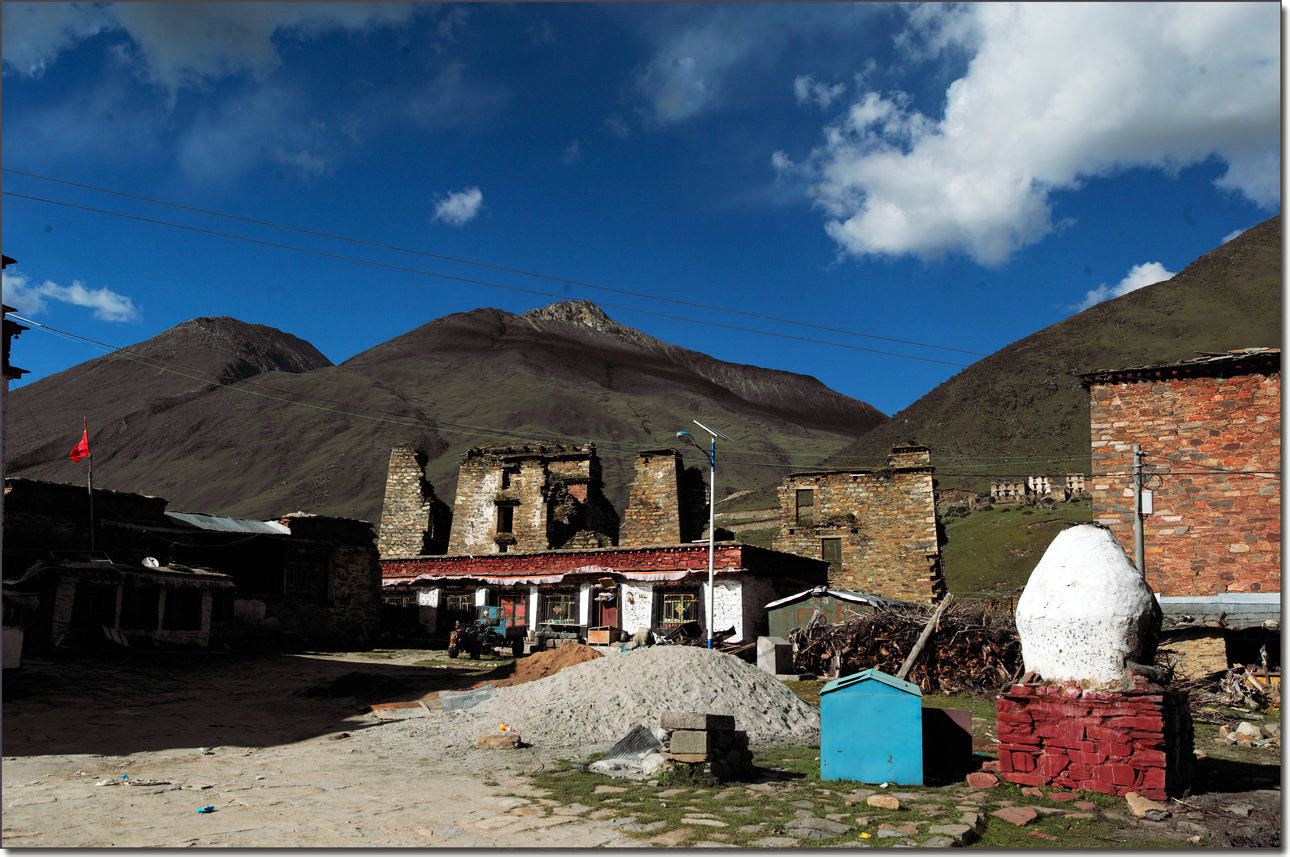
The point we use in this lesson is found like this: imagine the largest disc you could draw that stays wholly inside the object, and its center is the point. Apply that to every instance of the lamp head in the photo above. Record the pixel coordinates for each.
(684, 434)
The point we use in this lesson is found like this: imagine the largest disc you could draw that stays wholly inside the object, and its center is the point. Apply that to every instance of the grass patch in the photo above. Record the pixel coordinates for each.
(991, 552)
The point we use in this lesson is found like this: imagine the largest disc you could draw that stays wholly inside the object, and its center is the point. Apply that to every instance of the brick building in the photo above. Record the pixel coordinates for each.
(877, 529)
(1211, 429)
(1210, 433)
(667, 503)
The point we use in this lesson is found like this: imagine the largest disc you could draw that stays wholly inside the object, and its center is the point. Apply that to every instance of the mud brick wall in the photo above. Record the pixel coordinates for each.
(886, 522)
(1138, 740)
(1210, 531)
(413, 520)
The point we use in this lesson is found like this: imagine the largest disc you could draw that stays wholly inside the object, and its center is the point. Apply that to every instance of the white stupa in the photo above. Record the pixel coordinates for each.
(1086, 611)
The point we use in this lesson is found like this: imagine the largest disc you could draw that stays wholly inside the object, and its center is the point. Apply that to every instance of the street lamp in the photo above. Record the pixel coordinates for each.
(711, 453)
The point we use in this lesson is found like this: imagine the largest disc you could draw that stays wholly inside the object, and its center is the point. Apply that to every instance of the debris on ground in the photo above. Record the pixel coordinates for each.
(971, 649)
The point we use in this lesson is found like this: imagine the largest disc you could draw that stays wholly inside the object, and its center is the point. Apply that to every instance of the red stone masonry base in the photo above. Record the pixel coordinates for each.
(1113, 742)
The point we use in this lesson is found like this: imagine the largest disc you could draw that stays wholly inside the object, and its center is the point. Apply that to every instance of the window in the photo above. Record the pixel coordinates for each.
(306, 570)
(677, 607)
(459, 602)
(139, 608)
(560, 608)
(805, 507)
(831, 552)
(505, 518)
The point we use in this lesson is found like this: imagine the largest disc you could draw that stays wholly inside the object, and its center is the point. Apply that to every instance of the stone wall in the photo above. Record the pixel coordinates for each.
(1212, 530)
(884, 521)
(667, 504)
(413, 520)
(352, 608)
(551, 493)
(1139, 740)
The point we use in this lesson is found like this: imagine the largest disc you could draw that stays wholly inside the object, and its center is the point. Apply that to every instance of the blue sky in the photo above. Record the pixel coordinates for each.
(957, 176)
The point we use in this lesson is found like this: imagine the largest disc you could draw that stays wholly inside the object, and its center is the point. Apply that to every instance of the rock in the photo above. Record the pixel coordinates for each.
(1156, 814)
(1032, 791)
(883, 802)
(979, 780)
(1018, 815)
(1139, 805)
(960, 834)
(1272, 730)
(1248, 730)
(938, 842)
(498, 741)
(775, 842)
(1062, 797)
(1039, 834)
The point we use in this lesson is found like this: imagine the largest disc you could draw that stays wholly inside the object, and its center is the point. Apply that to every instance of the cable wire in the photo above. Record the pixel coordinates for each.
(428, 254)
(468, 280)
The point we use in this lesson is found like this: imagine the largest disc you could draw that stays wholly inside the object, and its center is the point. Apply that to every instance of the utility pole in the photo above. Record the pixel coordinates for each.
(1139, 539)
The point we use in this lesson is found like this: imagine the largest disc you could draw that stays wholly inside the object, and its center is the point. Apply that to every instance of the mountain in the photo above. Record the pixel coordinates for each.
(228, 418)
(1022, 411)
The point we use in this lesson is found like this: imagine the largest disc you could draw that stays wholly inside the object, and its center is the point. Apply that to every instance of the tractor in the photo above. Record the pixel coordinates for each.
(488, 633)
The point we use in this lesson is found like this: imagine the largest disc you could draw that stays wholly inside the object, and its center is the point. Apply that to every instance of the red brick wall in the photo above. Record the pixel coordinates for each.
(1210, 531)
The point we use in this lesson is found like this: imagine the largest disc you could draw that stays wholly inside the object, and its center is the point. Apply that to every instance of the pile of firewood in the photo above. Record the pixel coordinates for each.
(970, 648)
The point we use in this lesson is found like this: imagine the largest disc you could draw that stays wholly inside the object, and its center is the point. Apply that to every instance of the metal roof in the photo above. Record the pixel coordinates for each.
(840, 594)
(1236, 610)
(229, 525)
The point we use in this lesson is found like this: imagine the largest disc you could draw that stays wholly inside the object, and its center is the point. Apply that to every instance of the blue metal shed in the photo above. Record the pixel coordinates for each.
(871, 729)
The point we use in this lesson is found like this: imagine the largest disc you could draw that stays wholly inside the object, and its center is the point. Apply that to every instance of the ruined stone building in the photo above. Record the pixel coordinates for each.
(530, 497)
(1210, 431)
(413, 520)
(877, 529)
(533, 534)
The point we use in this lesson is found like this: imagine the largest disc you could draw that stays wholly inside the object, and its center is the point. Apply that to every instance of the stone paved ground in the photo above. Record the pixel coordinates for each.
(285, 769)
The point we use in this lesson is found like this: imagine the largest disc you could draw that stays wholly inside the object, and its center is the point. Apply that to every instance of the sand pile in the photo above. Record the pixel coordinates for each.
(590, 706)
(548, 663)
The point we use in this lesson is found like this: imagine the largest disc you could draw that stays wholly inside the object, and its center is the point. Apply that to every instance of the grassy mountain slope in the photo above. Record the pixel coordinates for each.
(260, 424)
(1022, 411)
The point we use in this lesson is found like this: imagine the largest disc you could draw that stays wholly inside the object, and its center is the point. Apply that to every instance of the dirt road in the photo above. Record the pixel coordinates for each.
(108, 751)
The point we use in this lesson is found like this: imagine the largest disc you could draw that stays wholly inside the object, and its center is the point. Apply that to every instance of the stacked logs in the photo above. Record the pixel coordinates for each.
(971, 649)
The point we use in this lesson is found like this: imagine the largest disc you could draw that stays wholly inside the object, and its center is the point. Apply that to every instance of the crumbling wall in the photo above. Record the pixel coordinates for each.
(414, 522)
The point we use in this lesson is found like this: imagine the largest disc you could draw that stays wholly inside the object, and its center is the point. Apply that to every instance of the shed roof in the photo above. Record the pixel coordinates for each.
(221, 524)
(872, 675)
(1235, 610)
(851, 595)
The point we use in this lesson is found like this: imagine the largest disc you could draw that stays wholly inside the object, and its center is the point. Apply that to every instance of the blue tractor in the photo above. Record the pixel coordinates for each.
(489, 633)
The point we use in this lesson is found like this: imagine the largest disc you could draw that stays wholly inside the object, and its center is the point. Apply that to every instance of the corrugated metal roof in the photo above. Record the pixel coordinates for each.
(1234, 610)
(229, 525)
(840, 594)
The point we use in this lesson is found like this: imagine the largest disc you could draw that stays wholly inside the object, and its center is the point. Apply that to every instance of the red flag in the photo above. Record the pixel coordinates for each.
(82, 449)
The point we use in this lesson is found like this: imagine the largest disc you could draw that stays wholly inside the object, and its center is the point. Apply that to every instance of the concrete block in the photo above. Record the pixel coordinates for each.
(774, 655)
(696, 721)
(690, 741)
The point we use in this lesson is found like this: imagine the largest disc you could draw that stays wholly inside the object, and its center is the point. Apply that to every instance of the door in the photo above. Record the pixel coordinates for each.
(606, 610)
(514, 609)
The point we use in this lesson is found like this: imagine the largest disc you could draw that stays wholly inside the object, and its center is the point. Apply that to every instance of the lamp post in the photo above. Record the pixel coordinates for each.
(711, 453)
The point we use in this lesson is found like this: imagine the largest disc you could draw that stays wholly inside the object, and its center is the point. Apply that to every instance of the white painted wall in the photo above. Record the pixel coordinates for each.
(727, 608)
(636, 606)
(584, 604)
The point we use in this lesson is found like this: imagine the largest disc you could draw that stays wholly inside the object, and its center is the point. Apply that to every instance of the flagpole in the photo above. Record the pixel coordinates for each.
(89, 482)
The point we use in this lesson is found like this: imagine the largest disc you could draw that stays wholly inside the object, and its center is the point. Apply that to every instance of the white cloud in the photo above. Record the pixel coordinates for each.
(572, 152)
(36, 33)
(31, 299)
(808, 91)
(1229, 236)
(1054, 94)
(1139, 275)
(459, 208)
(240, 132)
(188, 45)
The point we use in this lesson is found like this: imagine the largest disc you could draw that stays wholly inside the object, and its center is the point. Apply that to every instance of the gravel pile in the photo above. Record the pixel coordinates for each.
(590, 706)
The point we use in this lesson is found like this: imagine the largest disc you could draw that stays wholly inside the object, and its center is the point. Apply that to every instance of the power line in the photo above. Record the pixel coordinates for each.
(423, 272)
(426, 253)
